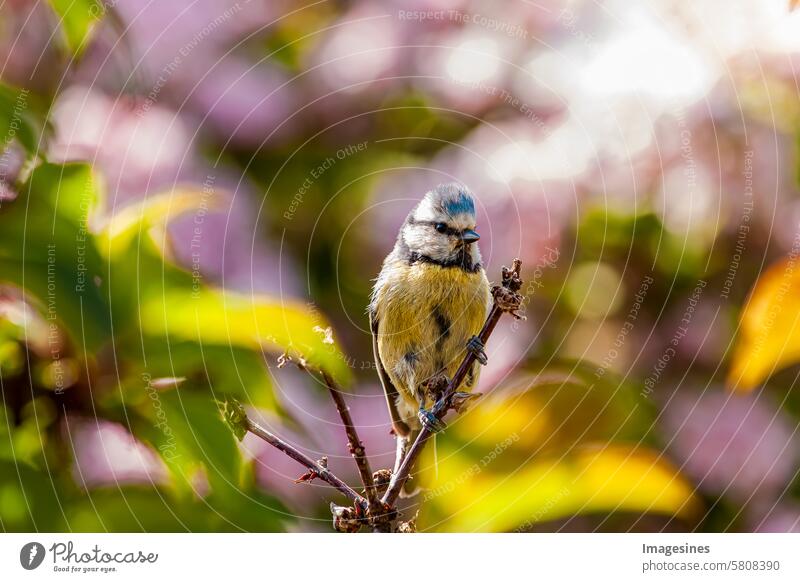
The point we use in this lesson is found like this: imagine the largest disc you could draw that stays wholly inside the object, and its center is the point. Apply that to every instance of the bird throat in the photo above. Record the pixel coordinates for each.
(461, 260)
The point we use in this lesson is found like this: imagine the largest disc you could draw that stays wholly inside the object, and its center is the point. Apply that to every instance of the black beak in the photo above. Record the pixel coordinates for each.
(470, 236)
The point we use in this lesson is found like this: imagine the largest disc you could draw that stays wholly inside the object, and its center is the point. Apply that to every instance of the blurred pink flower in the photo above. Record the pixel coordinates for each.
(248, 104)
(228, 246)
(190, 61)
(138, 149)
(199, 31)
(782, 517)
(363, 46)
(26, 44)
(709, 332)
(742, 446)
(107, 454)
(148, 150)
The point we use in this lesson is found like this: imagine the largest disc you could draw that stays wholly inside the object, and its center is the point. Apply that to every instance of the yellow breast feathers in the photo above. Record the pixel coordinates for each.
(426, 314)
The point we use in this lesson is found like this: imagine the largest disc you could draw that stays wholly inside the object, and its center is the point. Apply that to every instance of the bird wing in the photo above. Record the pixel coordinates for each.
(400, 427)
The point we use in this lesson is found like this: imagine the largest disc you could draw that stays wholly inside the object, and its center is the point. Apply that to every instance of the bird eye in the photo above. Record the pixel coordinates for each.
(440, 227)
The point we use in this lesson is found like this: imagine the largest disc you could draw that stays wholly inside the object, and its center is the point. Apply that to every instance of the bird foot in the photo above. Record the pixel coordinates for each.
(475, 346)
(430, 421)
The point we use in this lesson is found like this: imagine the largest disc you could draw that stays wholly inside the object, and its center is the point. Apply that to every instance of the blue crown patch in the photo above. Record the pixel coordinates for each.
(462, 203)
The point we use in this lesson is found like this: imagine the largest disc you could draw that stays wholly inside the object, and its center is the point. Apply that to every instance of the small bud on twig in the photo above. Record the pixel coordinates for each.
(409, 526)
(285, 358)
(381, 477)
(345, 519)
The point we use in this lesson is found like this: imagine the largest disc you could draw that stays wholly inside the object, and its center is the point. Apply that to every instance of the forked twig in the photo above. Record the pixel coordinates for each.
(241, 424)
(313, 466)
(354, 443)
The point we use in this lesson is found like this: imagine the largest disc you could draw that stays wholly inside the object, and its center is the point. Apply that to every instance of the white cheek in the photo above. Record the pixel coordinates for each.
(423, 240)
(475, 253)
(416, 239)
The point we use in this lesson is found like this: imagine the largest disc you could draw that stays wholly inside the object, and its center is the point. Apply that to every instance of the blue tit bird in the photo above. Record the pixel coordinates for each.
(428, 305)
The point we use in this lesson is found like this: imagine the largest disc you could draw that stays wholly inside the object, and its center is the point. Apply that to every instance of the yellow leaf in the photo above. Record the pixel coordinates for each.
(475, 497)
(769, 336)
(548, 445)
(153, 211)
(210, 316)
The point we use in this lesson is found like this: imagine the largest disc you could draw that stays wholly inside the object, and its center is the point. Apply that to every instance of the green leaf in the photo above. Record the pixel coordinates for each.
(471, 495)
(188, 431)
(152, 509)
(30, 500)
(223, 370)
(78, 20)
(137, 509)
(22, 118)
(175, 304)
(47, 250)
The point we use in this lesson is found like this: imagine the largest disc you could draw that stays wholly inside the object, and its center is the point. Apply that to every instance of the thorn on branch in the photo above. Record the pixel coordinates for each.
(461, 399)
(356, 450)
(306, 477)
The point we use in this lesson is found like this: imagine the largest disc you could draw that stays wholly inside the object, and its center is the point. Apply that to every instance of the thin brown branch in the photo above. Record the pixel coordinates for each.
(506, 300)
(313, 466)
(354, 444)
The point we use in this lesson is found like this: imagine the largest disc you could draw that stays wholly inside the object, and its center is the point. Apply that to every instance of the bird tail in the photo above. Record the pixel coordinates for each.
(411, 486)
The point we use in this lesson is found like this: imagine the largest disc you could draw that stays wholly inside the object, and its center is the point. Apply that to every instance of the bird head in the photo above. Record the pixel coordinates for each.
(442, 226)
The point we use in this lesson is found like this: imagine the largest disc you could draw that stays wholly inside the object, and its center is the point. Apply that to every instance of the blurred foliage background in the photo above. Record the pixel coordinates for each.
(188, 189)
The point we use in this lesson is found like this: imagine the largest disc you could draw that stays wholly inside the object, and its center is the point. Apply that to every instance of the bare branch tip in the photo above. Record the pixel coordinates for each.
(235, 417)
(285, 359)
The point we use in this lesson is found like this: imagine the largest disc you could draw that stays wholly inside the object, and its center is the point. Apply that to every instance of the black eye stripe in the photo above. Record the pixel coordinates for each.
(446, 230)
(449, 231)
